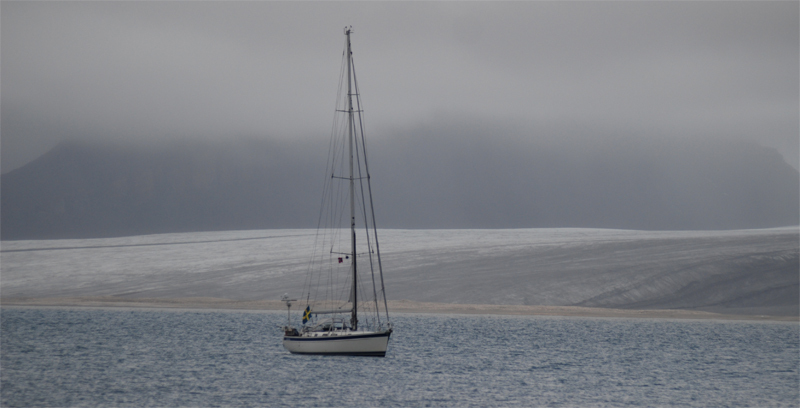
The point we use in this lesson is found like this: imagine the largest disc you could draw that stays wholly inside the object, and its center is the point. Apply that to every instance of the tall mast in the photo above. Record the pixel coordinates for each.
(350, 129)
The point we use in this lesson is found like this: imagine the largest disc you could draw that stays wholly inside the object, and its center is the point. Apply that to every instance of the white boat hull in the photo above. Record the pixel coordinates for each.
(347, 344)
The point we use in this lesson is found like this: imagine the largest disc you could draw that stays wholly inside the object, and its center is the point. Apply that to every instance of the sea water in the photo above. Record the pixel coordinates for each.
(135, 357)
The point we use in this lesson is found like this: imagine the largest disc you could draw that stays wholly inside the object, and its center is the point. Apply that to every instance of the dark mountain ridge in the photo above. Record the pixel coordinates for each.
(83, 190)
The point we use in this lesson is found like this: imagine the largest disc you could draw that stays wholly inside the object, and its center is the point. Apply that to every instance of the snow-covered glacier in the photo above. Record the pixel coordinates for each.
(740, 271)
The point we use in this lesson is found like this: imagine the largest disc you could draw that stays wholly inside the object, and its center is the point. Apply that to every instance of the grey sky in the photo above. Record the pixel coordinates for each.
(160, 70)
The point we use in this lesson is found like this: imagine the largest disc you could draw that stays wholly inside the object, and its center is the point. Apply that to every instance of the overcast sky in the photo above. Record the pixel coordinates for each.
(162, 70)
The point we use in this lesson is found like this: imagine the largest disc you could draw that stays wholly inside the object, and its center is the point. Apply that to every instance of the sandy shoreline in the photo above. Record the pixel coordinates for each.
(395, 306)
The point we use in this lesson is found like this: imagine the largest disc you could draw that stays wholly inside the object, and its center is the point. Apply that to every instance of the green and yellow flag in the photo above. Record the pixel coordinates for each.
(307, 315)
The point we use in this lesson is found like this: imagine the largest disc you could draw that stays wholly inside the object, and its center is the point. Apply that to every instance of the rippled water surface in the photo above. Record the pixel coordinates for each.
(107, 357)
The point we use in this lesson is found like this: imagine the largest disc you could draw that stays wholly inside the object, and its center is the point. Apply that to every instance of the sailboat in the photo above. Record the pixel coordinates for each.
(346, 311)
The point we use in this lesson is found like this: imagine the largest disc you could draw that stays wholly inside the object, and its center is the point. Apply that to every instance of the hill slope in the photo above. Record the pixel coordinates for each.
(81, 190)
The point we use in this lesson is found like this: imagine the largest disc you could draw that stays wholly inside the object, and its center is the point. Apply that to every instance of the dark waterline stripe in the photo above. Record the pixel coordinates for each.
(333, 338)
(358, 354)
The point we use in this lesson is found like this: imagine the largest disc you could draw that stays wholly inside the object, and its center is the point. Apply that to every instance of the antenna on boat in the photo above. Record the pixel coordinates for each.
(285, 298)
